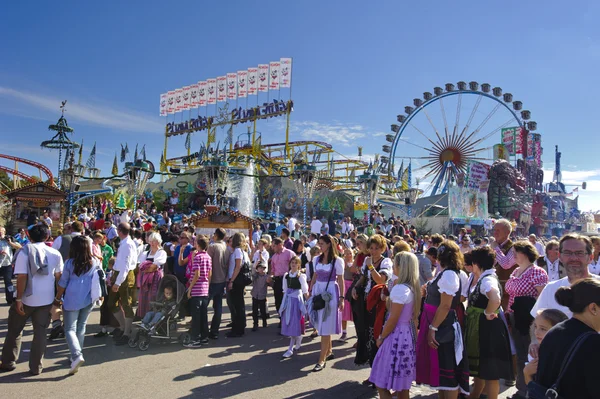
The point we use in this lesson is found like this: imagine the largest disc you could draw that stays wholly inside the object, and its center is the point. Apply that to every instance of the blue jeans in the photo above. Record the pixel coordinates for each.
(199, 311)
(216, 291)
(75, 321)
(151, 318)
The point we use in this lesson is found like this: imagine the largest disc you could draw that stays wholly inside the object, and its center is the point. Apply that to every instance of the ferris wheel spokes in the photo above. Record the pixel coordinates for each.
(436, 145)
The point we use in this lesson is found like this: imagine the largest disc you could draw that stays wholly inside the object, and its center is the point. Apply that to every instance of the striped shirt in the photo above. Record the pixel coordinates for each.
(203, 263)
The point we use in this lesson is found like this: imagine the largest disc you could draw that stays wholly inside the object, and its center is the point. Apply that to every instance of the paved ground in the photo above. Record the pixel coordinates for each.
(249, 367)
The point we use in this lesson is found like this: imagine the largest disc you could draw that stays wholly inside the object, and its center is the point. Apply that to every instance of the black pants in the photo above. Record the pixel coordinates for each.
(199, 311)
(278, 291)
(237, 307)
(7, 274)
(259, 305)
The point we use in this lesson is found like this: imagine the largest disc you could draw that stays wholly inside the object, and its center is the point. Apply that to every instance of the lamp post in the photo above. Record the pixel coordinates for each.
(304, 183)
(60, 141)
(215, 174)
(69, 179)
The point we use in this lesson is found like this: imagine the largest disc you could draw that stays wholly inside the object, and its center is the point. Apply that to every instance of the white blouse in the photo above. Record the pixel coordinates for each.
(402, 294)
(160, 257)
(449, 283)
(303, 282)
(489, 283)
(339, 266)
(385, 268)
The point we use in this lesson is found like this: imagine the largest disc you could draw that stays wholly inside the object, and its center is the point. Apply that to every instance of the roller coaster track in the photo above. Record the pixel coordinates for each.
(37, 165)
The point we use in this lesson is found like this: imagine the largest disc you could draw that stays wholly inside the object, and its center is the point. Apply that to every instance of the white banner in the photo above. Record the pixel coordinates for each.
(285, 72)
(202, 93)
(171, 102)
(232, 86)
(274, 75)
(163, 104)
(263, 77)
(186, 97)
(212, 91)
(242, 78)
(221, 88)
(252, 81)
(194, 97)
(178, 100)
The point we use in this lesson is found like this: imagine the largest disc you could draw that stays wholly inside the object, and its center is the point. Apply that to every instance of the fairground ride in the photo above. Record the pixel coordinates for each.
(19, 175)
(436, 142)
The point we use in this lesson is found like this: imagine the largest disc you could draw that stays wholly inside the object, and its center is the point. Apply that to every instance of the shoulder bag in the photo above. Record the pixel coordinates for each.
(244, 276)
(538, 391)
(318, 302)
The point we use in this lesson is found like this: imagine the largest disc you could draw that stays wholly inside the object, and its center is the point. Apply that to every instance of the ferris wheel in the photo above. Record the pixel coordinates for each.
(437, 136)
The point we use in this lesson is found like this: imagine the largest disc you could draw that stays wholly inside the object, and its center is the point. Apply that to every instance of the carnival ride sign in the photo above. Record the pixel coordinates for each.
(477, 172)
(467, 203)
(512, 138)
(238, 115)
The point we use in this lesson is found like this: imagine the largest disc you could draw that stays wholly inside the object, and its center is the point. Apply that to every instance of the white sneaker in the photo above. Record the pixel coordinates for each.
(288, 353)
(75, 364)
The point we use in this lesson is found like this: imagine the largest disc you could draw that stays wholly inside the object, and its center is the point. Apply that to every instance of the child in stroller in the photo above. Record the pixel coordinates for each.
(160, 309)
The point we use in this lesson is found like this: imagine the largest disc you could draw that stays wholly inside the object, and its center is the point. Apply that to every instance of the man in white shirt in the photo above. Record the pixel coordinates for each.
(315, 226)
(36, 282)
(575, 254)
(291, 225)
(538, 245)
(124, 285)
(312, 239)
(551, 262)
(7, 245)
(47, 219)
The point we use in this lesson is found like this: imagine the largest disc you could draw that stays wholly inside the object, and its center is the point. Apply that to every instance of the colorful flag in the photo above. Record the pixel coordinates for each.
(163, 104)
(232, 86)
(274, 75)
(178, 100)
(202, 93)
(135, 154)
(242, 77)
(186, 97)
(91, 162)
(171, 102)
(194, 96)
(405, 179)
(211, 136)
(285, 72)
(263, 77)
(221, 88)
(123, 153)
(252, 81)
(212, 91)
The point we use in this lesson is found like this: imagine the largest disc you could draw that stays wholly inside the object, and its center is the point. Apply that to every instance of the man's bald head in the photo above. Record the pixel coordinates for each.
(123, 230)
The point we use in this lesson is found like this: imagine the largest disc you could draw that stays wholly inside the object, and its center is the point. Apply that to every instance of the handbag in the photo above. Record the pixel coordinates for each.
(244, 276)
(538, 391)
(318, 302)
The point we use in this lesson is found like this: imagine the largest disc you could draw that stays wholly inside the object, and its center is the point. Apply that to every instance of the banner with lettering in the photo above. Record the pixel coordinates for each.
(263, 77)
(212, 91)
(285, 72)
(171, 102)
(202, 93)
(476, 173)
(232, 86)
(512, 138)
(242, 79)
(221, 88)
(530, 147)
(194, 97)
(274, 75)
(179, 100)
(186, 97)
(537, 140)
(464, 202)
(163, 104)
(252, 81)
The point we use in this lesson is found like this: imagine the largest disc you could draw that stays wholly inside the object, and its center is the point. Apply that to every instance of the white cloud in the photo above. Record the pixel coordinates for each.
(96, 114)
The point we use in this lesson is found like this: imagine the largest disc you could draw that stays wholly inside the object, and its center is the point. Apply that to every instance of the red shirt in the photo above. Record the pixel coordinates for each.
(525, 284)
(99, 224)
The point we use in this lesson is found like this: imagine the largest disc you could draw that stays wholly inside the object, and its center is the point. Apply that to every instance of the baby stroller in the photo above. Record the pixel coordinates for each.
(166, 327)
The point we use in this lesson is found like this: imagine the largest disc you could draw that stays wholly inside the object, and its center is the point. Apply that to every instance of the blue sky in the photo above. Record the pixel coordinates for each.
(355, 68)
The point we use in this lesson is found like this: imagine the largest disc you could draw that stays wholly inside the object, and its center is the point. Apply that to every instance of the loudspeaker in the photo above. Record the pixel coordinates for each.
(406, 201)
(76, 187)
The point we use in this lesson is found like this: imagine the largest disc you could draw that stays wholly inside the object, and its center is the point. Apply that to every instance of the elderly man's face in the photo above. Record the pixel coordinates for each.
(501, 233)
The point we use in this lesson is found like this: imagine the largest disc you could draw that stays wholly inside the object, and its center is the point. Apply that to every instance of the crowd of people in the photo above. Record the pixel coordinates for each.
(427, 309)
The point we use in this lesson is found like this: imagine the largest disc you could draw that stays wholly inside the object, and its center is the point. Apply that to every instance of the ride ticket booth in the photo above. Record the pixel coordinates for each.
(30, 202)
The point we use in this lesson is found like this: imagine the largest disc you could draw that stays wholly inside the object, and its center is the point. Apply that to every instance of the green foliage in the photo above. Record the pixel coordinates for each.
(325, 206)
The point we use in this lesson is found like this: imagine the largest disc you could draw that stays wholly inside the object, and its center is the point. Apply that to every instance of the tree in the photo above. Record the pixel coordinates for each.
(120, 202)
(325, 205)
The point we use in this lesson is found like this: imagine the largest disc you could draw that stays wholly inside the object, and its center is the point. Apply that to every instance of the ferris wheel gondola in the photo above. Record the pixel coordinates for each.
(443, 144)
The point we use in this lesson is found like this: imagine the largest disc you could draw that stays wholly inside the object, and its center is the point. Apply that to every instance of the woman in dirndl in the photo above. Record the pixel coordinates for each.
(441, 356)
(151, 272)
(486, 335)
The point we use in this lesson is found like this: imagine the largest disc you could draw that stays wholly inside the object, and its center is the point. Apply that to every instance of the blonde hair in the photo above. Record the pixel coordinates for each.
(406, 267)
(238, 241)
(295, 259)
